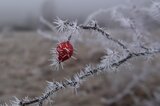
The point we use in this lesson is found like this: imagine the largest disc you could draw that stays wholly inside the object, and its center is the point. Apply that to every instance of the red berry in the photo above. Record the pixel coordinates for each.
(64, 50)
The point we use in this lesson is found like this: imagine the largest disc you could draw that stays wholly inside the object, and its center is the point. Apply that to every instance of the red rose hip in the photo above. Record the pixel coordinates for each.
(64, 51)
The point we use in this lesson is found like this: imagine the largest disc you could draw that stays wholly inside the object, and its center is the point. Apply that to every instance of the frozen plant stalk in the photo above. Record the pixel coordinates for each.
(65, 49)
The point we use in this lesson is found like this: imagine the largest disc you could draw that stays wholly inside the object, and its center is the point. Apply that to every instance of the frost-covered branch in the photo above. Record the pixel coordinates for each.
(77, 79)
(112, 60)
(95, 27)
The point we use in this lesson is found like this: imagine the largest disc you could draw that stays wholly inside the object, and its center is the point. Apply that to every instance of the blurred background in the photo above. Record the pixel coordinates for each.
(24, 54)
(20, 14)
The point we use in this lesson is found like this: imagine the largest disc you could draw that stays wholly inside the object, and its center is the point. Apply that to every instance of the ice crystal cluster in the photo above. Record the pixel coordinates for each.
(118, 52)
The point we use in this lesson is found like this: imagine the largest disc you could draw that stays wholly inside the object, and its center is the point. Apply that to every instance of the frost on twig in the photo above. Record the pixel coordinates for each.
(78, 78)
(112, 60)
(60, 24)
(15, 102)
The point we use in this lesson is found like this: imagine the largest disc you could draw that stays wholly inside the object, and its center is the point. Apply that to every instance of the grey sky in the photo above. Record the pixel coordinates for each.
(17, 11)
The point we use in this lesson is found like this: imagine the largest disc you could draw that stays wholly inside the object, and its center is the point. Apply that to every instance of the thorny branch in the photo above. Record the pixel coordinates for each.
(77, 79)
(74, 82)
(100, 30)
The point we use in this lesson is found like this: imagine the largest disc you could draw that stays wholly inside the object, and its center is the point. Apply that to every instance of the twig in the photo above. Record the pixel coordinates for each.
(76, 80)
(100, 30)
